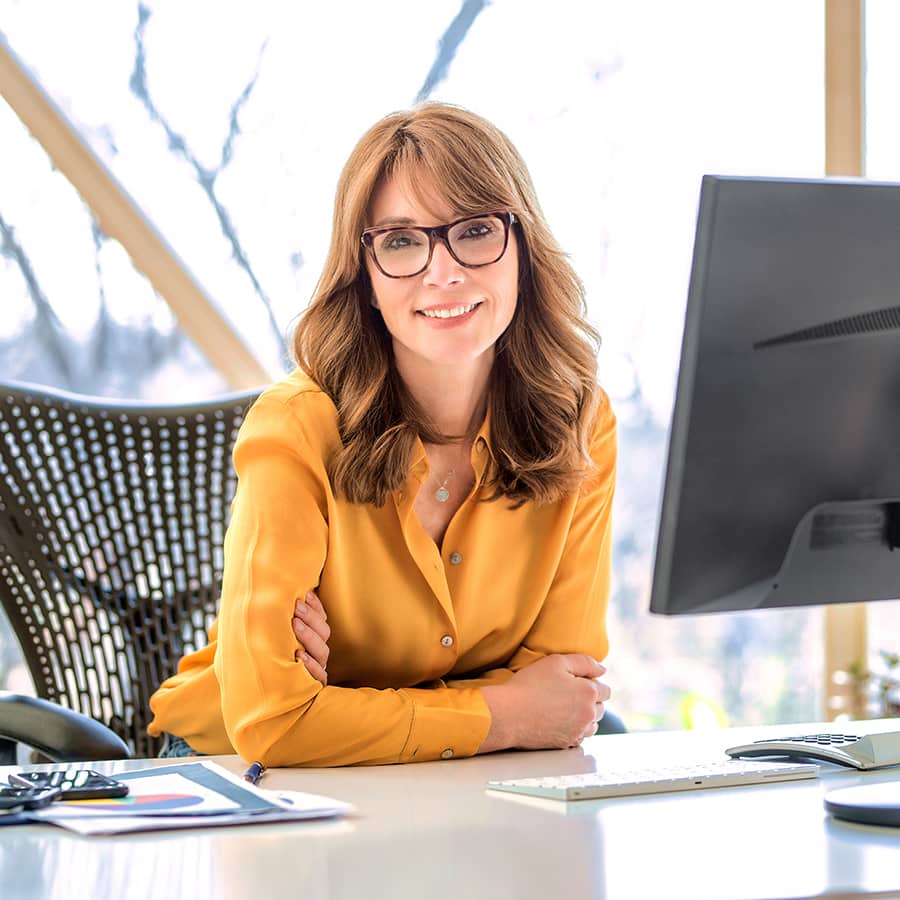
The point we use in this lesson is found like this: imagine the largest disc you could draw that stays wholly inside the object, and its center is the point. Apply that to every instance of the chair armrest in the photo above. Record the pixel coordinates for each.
(61, 734)
(611, 724)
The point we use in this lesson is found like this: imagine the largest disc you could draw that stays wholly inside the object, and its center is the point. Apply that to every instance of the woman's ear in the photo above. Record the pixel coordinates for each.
(374, 301)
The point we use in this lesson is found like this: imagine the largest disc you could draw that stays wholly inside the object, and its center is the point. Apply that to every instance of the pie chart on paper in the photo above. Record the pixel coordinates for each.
(143, 804)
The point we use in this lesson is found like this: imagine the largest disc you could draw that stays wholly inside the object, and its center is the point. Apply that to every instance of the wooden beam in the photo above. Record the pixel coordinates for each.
(120, 218)
(844, 87)
(846, 643)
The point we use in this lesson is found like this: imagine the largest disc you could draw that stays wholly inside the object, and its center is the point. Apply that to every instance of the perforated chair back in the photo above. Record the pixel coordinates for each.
(112, 520)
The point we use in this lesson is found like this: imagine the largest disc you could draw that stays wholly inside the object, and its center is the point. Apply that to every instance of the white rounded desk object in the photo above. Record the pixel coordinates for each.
(868, 804)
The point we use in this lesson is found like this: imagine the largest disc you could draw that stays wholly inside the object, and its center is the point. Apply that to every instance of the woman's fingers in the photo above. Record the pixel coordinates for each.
(603, 694)
(310, 627)
(314, 669)
(312, 641)
(312, 613)
(599, 710)
(313, 600)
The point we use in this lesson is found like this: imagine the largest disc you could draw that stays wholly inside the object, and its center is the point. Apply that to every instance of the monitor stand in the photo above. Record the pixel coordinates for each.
(868, 804)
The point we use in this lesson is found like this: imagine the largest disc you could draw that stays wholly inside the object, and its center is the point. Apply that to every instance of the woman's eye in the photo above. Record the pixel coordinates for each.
(476, 230)
(400, 240)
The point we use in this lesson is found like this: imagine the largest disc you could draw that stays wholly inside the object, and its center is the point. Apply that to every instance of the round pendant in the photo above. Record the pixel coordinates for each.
(442, 495)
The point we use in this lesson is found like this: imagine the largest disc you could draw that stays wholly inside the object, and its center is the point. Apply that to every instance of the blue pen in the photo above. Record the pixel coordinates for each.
(255, 771)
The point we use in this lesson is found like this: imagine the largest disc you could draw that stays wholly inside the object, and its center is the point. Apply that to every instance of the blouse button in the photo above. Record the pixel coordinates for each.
(455, 559)
(447, 754)
(446, 641)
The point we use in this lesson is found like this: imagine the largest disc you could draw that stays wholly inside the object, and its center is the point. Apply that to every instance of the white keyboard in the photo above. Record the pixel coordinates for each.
(658, 780)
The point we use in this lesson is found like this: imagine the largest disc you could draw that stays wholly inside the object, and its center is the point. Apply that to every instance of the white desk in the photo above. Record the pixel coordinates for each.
(429, 830)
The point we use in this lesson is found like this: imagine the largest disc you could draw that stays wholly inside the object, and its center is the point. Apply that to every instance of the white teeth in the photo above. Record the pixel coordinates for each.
(448, 313)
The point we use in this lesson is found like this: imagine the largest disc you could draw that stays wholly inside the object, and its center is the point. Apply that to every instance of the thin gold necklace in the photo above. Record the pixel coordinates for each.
(442, 495)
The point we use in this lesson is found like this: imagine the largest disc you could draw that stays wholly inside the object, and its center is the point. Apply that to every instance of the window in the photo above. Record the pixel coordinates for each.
(229, 126)
(882, 162)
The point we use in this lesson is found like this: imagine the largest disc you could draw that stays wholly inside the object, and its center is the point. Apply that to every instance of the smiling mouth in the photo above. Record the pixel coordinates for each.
(452, 313)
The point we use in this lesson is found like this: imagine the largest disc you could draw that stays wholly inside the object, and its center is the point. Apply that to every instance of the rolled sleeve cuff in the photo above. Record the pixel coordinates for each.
(445, 724)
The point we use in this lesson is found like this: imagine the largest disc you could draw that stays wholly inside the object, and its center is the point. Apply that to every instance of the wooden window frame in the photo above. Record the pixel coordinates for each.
(121, 218)
(845, 625)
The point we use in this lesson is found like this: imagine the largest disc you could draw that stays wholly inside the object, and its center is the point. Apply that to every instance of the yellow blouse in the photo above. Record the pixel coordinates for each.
(416, 630)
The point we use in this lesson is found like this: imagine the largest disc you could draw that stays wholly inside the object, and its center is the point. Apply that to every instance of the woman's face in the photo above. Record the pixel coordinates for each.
(448, 314)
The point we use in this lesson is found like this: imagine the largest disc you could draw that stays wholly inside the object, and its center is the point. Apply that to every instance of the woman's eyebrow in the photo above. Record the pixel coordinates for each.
(394, 220)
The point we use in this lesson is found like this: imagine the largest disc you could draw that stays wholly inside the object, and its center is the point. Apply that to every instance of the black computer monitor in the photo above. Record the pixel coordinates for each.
(782, 486)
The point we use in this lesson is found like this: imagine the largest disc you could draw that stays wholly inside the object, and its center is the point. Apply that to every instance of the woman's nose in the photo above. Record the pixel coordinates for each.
(443, 268)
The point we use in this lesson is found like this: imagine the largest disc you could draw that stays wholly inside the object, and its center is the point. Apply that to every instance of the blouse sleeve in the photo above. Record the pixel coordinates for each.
(274, 711)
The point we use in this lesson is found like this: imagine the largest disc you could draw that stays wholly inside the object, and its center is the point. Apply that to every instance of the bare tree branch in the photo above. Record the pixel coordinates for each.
(101, 351)
(206, 177)
(46, 326)
(448, 45)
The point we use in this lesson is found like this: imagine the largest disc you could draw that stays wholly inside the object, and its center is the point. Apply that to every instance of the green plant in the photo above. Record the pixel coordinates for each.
(883, 685)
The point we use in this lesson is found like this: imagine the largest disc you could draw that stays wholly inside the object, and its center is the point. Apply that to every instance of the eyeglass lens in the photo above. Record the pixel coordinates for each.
(478, 241)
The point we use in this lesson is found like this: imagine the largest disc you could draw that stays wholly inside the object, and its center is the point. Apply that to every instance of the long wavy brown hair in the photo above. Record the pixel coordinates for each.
(543, 391)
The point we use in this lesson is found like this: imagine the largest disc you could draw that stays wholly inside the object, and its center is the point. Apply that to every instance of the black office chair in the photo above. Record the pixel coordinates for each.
(112, 518)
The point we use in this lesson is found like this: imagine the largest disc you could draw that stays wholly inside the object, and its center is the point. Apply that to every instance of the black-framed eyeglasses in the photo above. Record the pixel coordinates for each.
(401, 252)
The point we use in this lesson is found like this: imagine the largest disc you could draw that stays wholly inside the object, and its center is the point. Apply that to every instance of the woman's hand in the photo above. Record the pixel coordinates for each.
(310, 625)
(555, 702)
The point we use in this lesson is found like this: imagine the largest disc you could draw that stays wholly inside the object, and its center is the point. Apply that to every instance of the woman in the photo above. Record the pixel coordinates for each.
(417, 565)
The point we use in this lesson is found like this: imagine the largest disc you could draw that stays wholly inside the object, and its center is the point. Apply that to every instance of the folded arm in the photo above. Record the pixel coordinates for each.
(540, 698)
(274, 710)
(277, 712)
